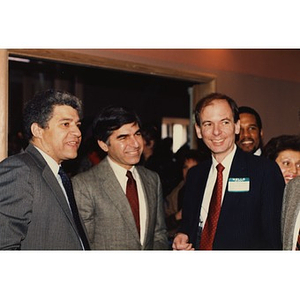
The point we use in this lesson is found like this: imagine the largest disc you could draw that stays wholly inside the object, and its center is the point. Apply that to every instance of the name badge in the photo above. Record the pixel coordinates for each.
(239, 184)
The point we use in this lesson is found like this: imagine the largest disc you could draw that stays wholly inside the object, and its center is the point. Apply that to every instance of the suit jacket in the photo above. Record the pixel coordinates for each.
(107, 214)
(248, 220)
(290, 211)
(34, 213)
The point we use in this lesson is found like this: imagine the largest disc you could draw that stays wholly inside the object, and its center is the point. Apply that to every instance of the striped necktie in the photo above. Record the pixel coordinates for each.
(210, 227)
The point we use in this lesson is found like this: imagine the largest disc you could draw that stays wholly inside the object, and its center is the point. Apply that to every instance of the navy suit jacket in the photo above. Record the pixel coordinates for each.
(248, 220)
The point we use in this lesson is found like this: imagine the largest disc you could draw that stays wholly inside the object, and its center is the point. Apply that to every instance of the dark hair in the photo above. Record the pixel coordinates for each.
(40, 108)
(112, 118)
(251, 111)
(150, 133)
(281, 143)
(211, 97)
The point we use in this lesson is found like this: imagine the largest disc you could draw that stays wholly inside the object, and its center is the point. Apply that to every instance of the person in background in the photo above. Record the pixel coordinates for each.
(117, 215)
(233, 200)
(35, 211)
(250, 138)
(290, 223)
(150, 138)
(285, 150)
(174, 200)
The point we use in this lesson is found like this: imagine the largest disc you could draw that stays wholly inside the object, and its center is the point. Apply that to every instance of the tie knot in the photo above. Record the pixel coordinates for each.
(61, 171)
(220, 168)
(129, 175)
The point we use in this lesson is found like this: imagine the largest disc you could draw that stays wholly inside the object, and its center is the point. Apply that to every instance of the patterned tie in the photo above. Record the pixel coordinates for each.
(210, 227)
(69, 190)
(298, 242)
(132, 195)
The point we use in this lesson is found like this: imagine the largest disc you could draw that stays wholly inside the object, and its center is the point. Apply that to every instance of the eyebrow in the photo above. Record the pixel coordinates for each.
(127, 134)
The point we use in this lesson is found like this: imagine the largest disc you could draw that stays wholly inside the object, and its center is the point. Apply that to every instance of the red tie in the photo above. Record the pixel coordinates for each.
(210, 227)
(298, 242)
(132, 195)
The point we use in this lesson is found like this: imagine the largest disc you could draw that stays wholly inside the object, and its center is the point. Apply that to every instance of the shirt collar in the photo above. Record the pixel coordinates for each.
(118, 169)
(227, 160)
(50, 161)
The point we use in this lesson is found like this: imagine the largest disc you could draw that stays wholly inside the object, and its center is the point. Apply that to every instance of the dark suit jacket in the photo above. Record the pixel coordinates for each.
(34, 214)
(107, 214)
(248, 220)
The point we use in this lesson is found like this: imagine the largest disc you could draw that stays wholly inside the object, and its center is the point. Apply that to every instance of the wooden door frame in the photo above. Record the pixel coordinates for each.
(206, 82)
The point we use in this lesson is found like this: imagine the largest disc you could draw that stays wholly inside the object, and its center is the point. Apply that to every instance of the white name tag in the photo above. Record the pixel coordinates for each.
(239, 184)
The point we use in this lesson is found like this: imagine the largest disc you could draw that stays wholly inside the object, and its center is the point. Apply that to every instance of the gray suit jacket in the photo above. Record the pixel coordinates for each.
(290, 211)
(34, 214)
(107, 214)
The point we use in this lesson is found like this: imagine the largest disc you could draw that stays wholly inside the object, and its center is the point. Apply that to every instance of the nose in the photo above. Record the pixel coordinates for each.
(294, 169)
(134, 142)
(216, 130)
(244, 133)
(76, 131)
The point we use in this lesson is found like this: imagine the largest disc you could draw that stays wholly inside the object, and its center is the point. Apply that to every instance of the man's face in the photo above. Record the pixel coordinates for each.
(217, 128)
(125, 145)
(250, 135)
(62, 137)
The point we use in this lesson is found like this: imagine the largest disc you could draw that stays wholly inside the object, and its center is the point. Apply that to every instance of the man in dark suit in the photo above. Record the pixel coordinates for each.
(101, 192)
(251, 132)
(35, 211)
(246, 213)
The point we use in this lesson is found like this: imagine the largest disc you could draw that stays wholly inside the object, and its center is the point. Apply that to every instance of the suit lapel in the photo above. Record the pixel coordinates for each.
(149, 193)
(52, 183)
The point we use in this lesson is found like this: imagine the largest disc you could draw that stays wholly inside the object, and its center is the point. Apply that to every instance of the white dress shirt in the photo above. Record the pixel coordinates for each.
(54, 166)
(212, 177)
(120, 173)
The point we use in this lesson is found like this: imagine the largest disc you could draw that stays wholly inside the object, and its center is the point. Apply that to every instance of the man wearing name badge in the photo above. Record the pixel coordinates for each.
(37, 206)
(121, 204)
(233, 200)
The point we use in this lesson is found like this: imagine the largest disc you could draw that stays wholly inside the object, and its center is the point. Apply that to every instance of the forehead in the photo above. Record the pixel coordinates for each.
(218, 107)
(247, 118)
(130, 128)
(289, 154)
(64, 111)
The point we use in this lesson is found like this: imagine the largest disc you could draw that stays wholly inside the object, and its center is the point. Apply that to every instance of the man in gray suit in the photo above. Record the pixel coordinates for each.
(35, 211)
(290, 223)
(101, 192)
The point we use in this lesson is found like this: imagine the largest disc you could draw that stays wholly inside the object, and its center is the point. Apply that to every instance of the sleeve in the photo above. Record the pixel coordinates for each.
(16, 198)
(160, 234)
(85, 204)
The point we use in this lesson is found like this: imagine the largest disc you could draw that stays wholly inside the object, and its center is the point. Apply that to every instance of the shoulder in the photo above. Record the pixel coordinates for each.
(147, 173)
(294, 187)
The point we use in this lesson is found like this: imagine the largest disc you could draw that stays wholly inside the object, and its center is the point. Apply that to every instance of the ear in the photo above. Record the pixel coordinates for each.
(261, 133)
(198, 131)
(237, 127)
(36, 130)
(103, 146)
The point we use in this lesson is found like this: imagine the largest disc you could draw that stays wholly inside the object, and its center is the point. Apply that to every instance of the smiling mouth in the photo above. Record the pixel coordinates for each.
(73, 144)
(248, 142)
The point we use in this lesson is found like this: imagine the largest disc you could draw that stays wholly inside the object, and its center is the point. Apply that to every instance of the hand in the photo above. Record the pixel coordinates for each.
(178, 215)
(181, 242)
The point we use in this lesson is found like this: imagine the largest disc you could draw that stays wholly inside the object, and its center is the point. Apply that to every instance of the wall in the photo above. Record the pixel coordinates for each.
(267, 80)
